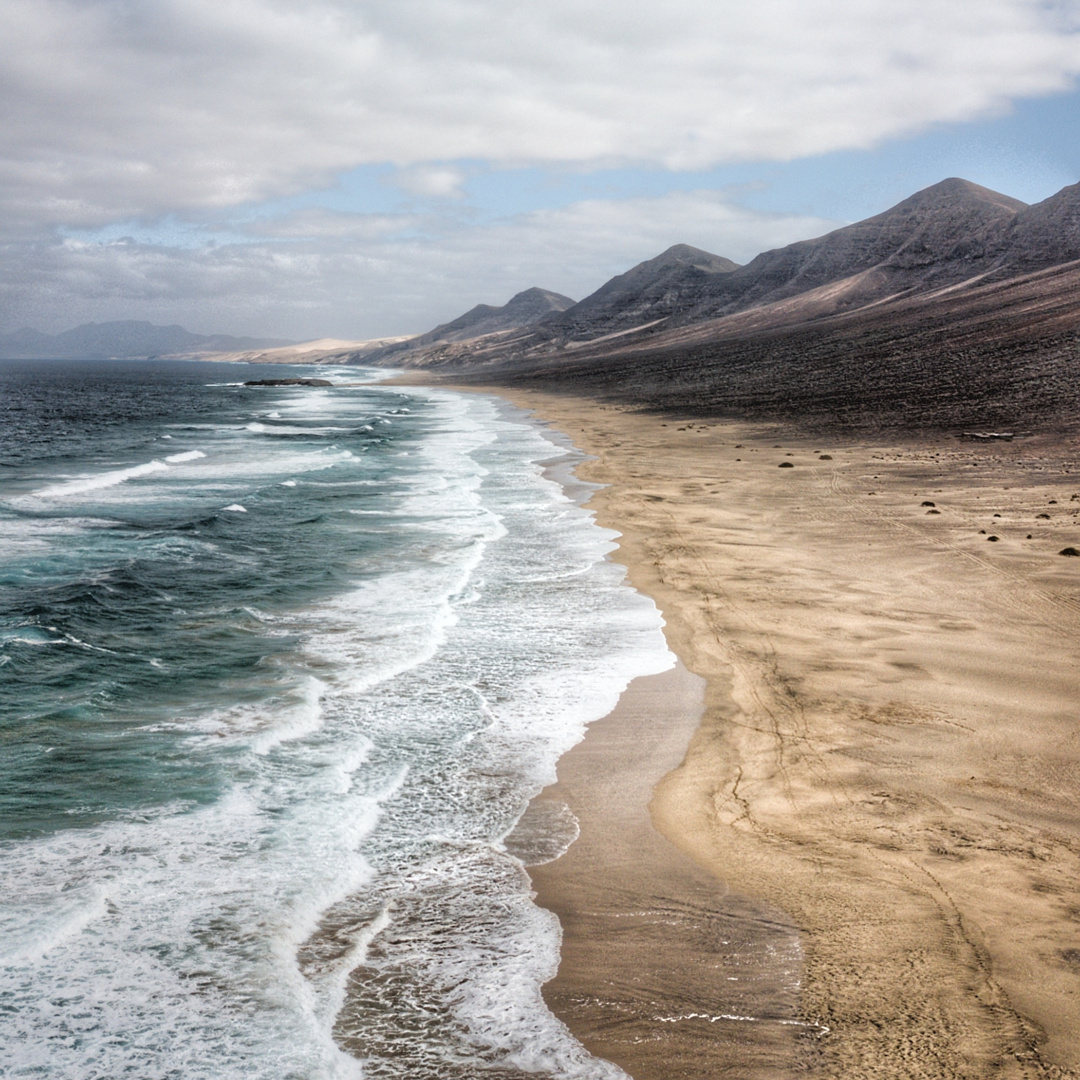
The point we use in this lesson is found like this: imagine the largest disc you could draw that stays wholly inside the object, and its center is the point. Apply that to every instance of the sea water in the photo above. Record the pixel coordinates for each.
(280, 668)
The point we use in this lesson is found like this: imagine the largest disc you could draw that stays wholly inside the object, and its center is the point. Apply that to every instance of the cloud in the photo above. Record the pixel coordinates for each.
(117, 109)
(432, 181)
(313, 277)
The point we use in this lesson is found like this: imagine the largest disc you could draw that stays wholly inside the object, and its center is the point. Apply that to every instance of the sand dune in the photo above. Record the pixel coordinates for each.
(321, 350)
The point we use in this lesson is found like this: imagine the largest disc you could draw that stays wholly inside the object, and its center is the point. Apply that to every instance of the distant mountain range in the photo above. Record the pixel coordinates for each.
(958, 305)
(123, 339)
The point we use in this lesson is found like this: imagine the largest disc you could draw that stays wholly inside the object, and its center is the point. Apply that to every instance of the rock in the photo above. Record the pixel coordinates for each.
(929, 503)
(785, 465)
(289, 382)
(1069, 551)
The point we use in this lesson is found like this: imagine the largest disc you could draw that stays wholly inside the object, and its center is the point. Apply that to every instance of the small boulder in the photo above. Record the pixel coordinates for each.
(785, 465)
(1069, 551)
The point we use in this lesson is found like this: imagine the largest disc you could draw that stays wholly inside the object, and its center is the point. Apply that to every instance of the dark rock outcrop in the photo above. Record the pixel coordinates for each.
(288, 382)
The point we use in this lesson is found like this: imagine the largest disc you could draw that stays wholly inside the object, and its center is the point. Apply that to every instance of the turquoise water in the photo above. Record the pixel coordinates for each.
(279, 670)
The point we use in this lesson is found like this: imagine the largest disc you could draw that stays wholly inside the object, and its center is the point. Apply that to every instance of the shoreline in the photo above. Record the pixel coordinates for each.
(888, 746)
(663, 969)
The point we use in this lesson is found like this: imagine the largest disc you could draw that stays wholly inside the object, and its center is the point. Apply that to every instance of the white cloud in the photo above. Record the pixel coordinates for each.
(114, 109)
(432, 181)
(312, 278)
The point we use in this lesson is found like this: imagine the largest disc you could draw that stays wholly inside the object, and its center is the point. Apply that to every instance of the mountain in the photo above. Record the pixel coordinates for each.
(123, 339)
(952, 232)
(1046, 234)
(946, 233)
(676, 281)
(956, 307)
(522, 310)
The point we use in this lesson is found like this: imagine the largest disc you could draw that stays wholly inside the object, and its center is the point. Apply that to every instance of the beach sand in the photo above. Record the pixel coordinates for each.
(878, 810)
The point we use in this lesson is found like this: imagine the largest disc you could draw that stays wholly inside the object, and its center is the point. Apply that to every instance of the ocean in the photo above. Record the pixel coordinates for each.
(280, 669)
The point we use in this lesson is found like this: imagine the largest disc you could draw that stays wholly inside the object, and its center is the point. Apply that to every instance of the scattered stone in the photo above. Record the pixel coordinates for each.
(933, 511)
(1069, 551)
(1029, 536)
(929, 503)
(992, 539)
(1053, 502)
(1047, 516)
(785, 465)
(982, 532)
(828, 457)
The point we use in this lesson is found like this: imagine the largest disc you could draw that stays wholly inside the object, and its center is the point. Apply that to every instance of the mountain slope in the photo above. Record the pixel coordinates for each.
(942, 234)
(522, 310)
(1046, 234)
(946, 233)
(675, 281)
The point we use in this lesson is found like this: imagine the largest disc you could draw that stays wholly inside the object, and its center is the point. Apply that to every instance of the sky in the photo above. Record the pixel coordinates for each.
(361, 168)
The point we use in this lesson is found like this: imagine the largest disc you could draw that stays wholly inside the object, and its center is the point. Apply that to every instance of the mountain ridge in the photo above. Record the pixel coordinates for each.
(956, 306)
(126, 339)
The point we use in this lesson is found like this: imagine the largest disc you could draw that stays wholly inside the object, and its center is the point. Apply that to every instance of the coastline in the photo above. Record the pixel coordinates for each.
(663, 970)
(887, 752)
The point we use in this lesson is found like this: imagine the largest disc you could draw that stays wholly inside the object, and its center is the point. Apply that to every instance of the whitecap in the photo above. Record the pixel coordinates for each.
(189, 455)
(235, 508)
(83, 484)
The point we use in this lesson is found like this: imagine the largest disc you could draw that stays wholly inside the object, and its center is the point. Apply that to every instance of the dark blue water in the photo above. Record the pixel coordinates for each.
(279, 670)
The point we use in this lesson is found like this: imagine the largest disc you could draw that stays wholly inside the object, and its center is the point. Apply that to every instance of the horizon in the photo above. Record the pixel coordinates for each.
(364, 171)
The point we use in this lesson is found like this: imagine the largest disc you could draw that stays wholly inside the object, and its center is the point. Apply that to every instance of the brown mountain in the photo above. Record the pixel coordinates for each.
(957, 307)
(521, 310)
(952, 231)
(675, 282)
(1046, 234)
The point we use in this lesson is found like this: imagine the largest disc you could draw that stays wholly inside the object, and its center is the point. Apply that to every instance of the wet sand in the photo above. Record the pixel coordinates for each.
(888, 758)
(664, 970)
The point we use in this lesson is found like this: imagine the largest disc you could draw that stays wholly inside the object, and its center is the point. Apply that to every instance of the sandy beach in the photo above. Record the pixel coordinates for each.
(875, 819)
